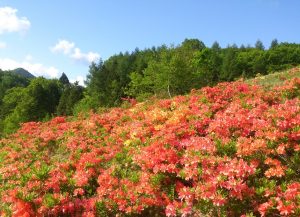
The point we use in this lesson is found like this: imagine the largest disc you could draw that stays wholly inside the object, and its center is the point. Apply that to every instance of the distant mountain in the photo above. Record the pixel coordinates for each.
(23, 72)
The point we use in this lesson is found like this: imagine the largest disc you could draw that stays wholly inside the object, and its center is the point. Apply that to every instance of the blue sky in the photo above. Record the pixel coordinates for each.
(51, 37)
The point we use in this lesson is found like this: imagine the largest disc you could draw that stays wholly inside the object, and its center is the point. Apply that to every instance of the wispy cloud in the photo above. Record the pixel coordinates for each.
(10, 22)
(28, 57)
(38, 69)
(85, 57)
(63, 46)
(68, 48)
(2, 45)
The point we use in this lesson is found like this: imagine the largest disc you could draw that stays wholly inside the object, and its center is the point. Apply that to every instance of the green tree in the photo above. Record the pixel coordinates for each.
(230, 67)
(140, 86)
(32, 103)
(71, 95)
(193, 44)
(283, 56)
(169, 74)
(208, 63)
(274, 44)
(8, 80)
(167, 71)
(258, 62)
(108, 81)
(216, 47)
(259, 45)
(64, 79)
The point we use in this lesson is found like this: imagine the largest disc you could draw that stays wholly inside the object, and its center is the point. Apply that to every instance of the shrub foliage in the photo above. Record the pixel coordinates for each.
(228, 150)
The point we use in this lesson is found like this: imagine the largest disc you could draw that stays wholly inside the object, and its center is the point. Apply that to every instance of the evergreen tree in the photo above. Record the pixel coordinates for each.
(71, 95)
(193, 44)
(230, 67)
(243, 48)
(215, 46)
(208, 63)
(259, 45)
(32, 103)
(64, 79)
(167, 71)
(274, 44)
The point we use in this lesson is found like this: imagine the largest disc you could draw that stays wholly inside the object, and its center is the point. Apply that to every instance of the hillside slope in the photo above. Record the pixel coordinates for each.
(276, 78)
(228, 150)
(23, 72)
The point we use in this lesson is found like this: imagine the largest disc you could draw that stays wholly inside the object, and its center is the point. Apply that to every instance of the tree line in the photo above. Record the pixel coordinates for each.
(23, 99)
(167, 71)
(163, 71)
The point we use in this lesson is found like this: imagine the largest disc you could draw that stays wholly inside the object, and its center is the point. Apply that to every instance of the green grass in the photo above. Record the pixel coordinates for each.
(276, 78)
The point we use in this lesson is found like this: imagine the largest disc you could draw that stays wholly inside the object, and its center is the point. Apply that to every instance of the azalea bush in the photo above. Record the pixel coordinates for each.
(228, 150)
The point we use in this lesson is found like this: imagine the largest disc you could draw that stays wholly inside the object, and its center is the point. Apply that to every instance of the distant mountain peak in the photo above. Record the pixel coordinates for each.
(23, 72)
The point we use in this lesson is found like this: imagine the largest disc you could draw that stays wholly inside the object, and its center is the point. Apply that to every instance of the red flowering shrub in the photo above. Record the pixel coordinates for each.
(228, 150)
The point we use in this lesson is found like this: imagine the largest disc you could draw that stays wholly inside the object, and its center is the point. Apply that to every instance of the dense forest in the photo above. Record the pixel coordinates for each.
(24, 99)
(168, 71)
(163, 71)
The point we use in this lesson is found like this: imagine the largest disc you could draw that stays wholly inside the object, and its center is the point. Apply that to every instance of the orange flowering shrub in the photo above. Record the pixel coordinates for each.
(228, 150)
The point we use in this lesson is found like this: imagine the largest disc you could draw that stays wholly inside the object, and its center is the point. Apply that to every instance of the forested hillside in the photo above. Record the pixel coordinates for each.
(26, 98)
(169, 71)
(22, 72)
(164, 72)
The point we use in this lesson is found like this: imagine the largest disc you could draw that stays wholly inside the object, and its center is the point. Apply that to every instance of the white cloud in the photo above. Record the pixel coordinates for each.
(2, 45)
(36, 69)
(80, 80)
(63, 46)
(28, 57)
(10, 22)
(68, 48)
(85, 57)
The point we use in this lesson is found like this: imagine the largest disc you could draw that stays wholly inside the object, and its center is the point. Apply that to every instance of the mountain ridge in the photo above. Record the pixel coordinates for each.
(23, 72)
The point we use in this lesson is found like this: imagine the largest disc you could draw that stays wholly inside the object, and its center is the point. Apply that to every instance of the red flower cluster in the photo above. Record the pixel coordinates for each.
(228, 150)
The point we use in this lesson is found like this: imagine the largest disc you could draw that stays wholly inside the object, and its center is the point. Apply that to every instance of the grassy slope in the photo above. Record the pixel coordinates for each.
(276, 78)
